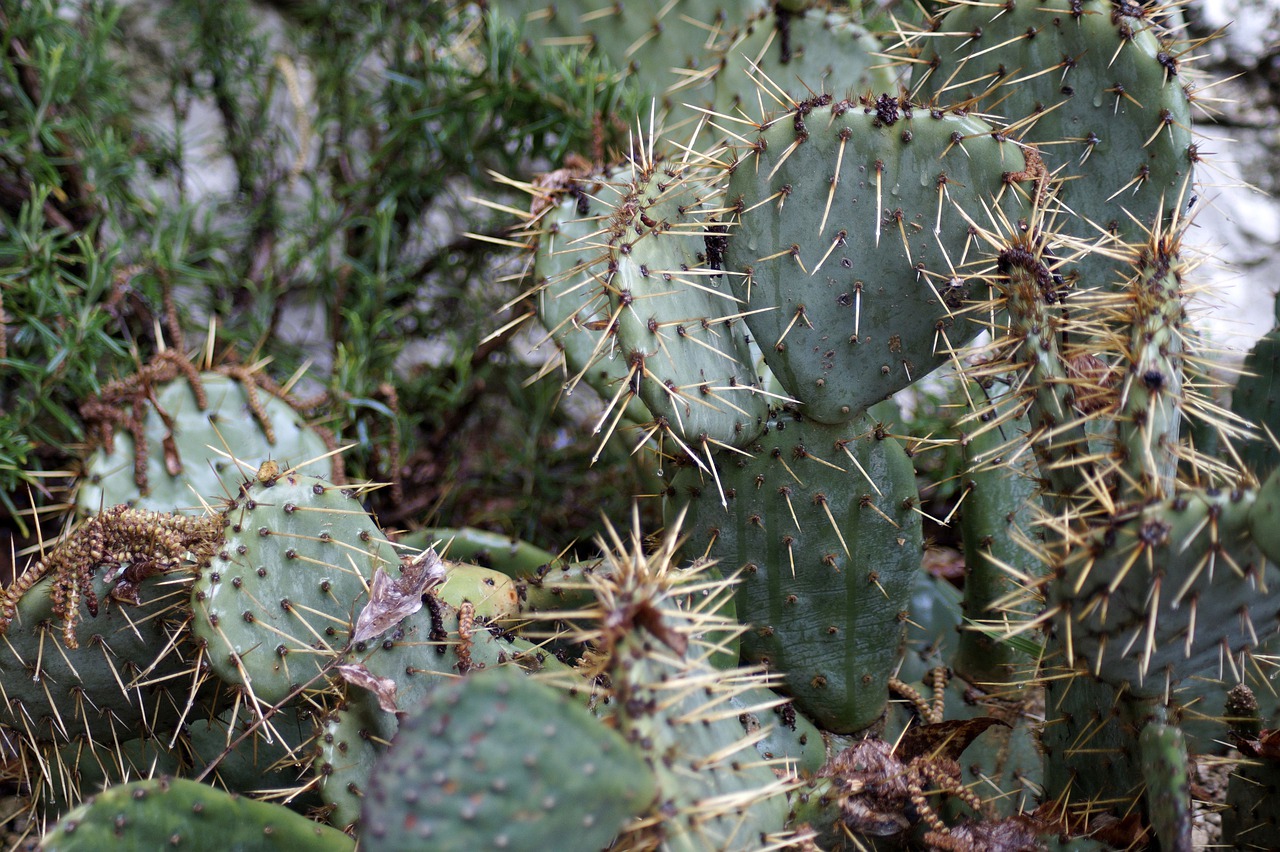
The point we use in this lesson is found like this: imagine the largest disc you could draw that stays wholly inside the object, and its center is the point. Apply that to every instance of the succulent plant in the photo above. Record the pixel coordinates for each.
(172, 811)
(280, 594)
(188, 442)
(498, 760)
(821, 536)
(773, 669)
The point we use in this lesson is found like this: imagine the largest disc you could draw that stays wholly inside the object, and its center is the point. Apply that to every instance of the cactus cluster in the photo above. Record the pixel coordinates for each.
(1028, 175)
(811, 221)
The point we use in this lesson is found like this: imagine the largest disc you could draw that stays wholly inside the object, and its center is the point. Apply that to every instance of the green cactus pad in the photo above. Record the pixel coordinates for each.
(1151, 397)
(1164, 768)
(671, 50)
(511, 556)
(654, 284)
(716, 791)
(499, 761)
(1093, 86)
(995, 526)
(1250, 820)
(820, 529)
(84, 767)
(188, 460)
(53, 693)
(1257, 399)
(1090, 744)
(422, 652)
(492, 593)
(789, 737)
(1263, 529)
(543, 581)
(277, 602)
(1162, 595)
(799, 54)
(856, 231)
(270, 758)
(574, 309)
(169, 813)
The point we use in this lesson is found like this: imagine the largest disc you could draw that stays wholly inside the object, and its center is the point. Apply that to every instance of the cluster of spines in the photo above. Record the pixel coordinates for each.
(675, 705)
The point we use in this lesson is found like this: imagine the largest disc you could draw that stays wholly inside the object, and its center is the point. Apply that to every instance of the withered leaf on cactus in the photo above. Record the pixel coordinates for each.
(1266, 746)
(392, 601)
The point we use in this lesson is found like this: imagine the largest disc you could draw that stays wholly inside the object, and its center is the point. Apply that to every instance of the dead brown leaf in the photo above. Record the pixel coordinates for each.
(392, 601)
(945, 740)
(382, 687)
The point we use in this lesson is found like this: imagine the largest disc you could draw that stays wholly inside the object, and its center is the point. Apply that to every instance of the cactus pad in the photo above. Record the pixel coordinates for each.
(168, 813)
(820, 528)
(277, 601)
(498, 761)
(856, 237)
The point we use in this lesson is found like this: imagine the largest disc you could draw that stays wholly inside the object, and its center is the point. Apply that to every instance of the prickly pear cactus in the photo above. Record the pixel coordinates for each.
(277, 601)
(1257, 399)
(853, 239)
(1095, 87)
(996, 515)
(174, 813)
(1250, 821)
(575, 311)
(1164, 769)
(715, 791)
(791, 55)
(511, 556)
(445, 639)
(191, 432)
(54, 692)
(788, 738)
(653, 286)
(670, 50)
(820, 532)
(1161, 595)
(497, 760)
(241, 755)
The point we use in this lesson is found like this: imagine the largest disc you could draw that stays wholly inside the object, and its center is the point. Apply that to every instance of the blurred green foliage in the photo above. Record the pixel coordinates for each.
(299, 177)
